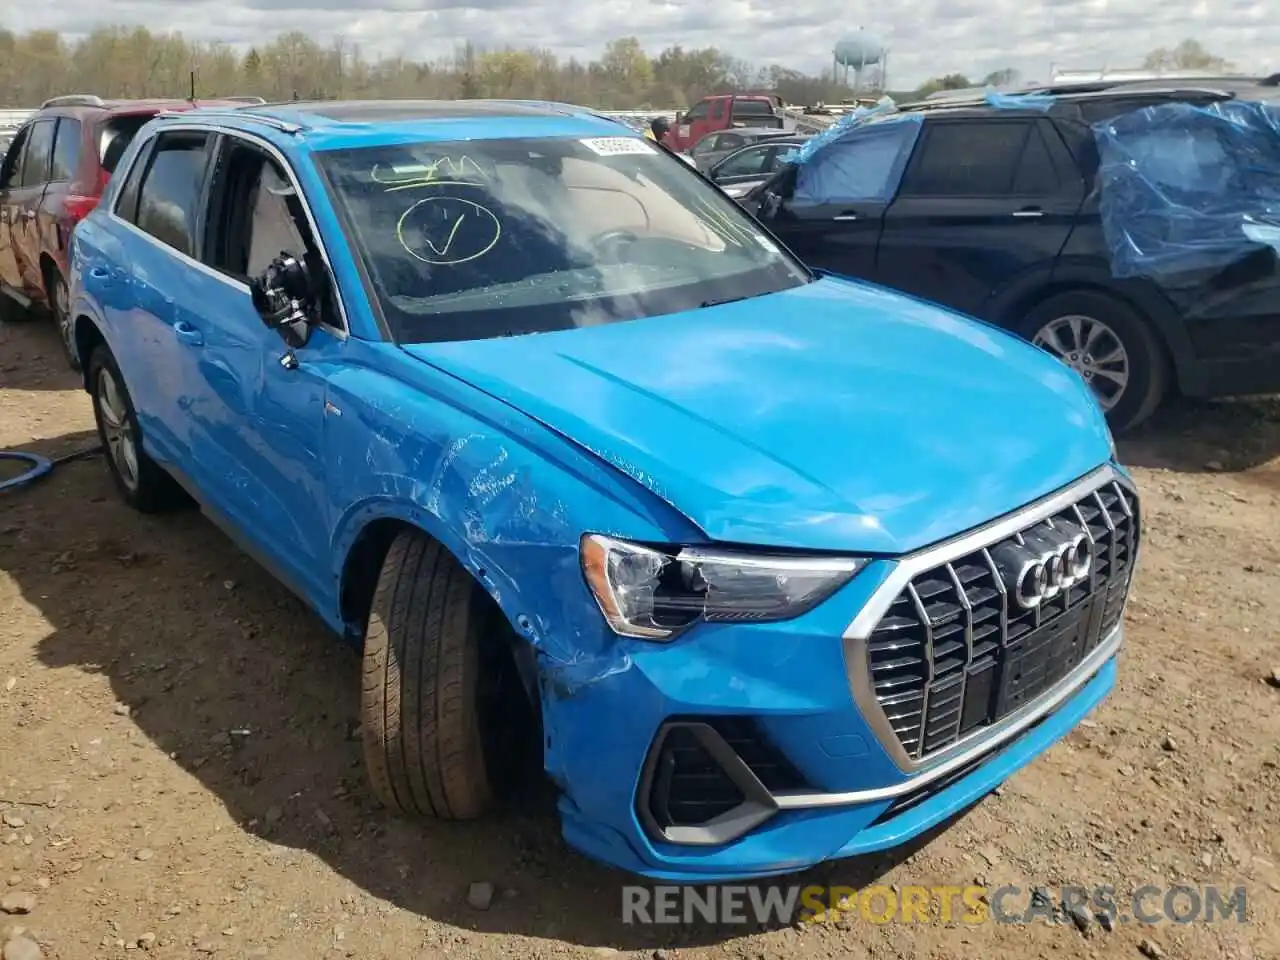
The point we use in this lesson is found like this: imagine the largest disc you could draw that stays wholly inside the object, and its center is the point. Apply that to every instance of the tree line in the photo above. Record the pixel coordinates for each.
(132, 62)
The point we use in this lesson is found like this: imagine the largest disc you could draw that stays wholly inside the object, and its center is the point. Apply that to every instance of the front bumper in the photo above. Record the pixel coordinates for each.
(767, 728)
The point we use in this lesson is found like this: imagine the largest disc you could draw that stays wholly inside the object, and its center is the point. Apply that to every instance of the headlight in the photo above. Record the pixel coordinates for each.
(654, 593)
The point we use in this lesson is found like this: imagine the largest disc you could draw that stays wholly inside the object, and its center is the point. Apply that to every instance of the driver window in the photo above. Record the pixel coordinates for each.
(11, 172)
(255, 215)
(865, 166)
(698, 111)
(251, 221)
(271, 225)
(35, 161)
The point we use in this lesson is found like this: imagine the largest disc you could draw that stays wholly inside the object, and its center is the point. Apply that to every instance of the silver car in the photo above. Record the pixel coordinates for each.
(718, 144)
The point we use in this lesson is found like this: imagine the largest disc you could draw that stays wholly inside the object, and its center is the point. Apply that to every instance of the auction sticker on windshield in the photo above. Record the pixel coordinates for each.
(616, 146)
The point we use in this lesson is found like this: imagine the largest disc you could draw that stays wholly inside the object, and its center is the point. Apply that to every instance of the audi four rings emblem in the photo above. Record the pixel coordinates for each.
(1049, 560)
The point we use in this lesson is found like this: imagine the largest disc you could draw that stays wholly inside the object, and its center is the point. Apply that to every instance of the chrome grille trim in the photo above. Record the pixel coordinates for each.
(914, 757)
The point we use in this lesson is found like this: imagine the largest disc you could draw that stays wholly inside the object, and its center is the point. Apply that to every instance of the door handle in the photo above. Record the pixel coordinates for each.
(188, 334)
(845, 217)
(100, 273)
(1029, 212)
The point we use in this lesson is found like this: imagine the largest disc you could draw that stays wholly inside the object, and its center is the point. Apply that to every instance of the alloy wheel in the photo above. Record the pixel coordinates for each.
(1093, 350)
(117, 429)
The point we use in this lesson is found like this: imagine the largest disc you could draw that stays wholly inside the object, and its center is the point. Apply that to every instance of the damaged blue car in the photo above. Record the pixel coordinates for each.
(766, 567)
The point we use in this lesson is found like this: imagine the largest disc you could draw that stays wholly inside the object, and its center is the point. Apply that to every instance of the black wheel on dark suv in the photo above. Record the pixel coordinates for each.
(1110, 344)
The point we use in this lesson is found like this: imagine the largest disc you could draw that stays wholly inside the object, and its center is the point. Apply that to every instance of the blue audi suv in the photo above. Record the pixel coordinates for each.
(767, 566)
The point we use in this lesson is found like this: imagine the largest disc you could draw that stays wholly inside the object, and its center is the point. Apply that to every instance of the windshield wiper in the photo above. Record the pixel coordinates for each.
(721, 301)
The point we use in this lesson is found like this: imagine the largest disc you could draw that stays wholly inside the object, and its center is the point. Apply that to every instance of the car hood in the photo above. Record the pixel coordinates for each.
(833, 416)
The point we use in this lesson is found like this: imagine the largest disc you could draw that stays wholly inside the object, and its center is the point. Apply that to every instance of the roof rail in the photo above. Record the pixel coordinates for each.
(1110, 93)
(1122, 92)
(257, 101)
(918, 105)
(74, 100)
(284, 126)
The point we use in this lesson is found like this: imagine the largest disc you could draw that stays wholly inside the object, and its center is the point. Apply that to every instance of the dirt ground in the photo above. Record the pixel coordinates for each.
(178, 772)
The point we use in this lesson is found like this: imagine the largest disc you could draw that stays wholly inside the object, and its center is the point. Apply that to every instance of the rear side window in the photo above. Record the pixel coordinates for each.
(115, 136)
(170, 190)
(749, 108)
(35, 163)
(1036, 176)
(967, 159)
(1107, 107)
(66, 150)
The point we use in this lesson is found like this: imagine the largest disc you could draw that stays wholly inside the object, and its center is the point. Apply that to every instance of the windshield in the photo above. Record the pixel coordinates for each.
(488, 238)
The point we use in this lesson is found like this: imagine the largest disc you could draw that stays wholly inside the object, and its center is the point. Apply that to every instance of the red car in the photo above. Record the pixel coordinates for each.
(724, 112)
(52, 175)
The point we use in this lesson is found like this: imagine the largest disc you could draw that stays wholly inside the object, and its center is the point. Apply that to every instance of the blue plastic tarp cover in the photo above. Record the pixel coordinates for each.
(1189, 190)
(1019, 101)
(865, 161)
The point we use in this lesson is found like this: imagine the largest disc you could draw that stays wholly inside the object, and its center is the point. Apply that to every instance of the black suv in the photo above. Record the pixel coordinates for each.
(996, 214)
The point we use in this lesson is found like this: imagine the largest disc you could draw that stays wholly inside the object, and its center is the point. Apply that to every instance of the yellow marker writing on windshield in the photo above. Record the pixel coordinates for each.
(443, 171)
(482, 236)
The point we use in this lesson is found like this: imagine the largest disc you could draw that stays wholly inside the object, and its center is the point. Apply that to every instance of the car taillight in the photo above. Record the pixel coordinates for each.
(78, 206)
(78, 203)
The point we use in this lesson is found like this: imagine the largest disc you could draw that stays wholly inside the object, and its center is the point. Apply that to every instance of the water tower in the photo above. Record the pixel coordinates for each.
(856, 53)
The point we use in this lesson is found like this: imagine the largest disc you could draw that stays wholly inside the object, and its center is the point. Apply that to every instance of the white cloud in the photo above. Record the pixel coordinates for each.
(925, 38)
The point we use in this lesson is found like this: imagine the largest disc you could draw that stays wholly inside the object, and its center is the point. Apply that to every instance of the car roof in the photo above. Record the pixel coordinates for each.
(1241, 88)
(784, 139)
(335, 124)
(81, 105)
(1216, 80)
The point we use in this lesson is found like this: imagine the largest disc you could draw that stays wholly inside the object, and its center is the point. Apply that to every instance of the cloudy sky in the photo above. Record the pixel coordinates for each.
(925, 37)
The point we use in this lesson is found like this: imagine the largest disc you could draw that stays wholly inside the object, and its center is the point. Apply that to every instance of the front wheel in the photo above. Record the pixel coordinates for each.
(439, 700)
(1110, 345)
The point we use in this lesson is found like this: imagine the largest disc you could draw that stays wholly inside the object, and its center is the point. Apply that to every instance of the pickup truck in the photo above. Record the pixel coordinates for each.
(721, 113)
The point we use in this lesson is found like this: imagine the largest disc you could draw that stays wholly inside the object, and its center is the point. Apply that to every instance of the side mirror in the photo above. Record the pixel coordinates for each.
(770, 203)
(284, 297)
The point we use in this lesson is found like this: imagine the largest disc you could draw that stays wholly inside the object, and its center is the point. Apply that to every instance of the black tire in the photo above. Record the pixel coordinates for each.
(13, 312)
(429, 744)
(60, 312)
(1149, 370)
(148, 488)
